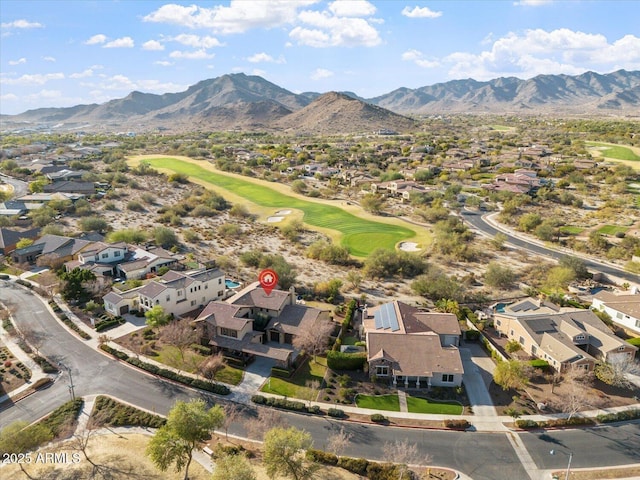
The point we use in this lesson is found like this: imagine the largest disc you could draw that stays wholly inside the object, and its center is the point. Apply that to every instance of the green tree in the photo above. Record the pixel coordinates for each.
(165, 237)
(18, 437)
(93, 224)
(529, 221)
(188, 424)
(499, 240)
(156, 317)
(513, 346)
(498, 276)
(372, 203)
(74, 280)
(559, 278)
(284, 453)
(576, 264)
(298, 186)
(233, 467)
(512, 374)
(448, 306)
(128, 235)
(24, 243)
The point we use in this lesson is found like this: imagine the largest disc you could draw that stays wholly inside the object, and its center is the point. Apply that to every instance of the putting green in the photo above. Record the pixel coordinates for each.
(359, 235)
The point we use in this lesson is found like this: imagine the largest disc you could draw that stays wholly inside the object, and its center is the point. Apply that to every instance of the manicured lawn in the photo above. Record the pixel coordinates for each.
(295, 387)
(612, 229)
(615, 151)
(423, 405)
(379, 402)
(349, 341)
(359, 235)
(571, 230)
(170, 355)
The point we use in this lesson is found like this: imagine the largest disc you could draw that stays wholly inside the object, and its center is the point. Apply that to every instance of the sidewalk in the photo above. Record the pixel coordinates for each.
(21, 356)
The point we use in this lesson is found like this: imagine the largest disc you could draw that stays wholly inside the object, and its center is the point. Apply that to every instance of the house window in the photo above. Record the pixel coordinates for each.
(193, 302)
(498, 322)
(206, 286)
(227, 332)
(168, 298)
(219, 281)
(621, 348)
(116, 253)
(579, 337)
(157, 302)
(179, 293)
(511, 333)
(533, 349)
(288, 338)
(105, 255)
(382, 371)
(619, 315)
(447, 378)
(638, 323)
(521, 340)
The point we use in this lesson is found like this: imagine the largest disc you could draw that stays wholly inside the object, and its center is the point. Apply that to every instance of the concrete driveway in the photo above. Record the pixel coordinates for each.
(478, 374)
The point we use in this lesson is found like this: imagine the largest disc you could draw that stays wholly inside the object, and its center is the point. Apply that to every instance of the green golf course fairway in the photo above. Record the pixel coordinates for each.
(359, 235)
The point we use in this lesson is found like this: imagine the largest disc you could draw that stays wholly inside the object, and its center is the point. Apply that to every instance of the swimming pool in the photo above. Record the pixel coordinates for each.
(230, 283)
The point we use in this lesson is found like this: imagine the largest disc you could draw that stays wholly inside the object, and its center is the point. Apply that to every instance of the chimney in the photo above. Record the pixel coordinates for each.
(292, 294)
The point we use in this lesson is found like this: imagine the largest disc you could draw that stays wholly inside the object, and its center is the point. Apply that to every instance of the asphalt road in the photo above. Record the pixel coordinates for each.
(476, 220)
(482, 456)
(20, 188)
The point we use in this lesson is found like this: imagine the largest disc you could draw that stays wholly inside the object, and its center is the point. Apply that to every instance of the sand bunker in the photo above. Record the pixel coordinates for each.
(283, 212)
(409, 247)
(275, 219)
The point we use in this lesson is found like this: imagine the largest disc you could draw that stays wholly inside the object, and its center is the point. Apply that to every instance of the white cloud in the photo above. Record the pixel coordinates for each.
(96, 39)
(417, 57)
(89, 72)
(238, 17)
(265, 58)
(532, 3)
(22, 23)
(420, 12)
(163, 63)
(329, 30)
(539, 51)
(352, 8)
(320, 73)
(34, 79)
(193, 55)
(196, 41)
(49, 59)
(124, 42)
(9, 97)
(20, 61)
(153, 45)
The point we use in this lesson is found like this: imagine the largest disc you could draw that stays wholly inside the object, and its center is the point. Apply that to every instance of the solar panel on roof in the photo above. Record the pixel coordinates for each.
(386, 318)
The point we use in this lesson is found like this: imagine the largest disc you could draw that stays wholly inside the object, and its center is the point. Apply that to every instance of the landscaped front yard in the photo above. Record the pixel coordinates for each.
(298, 385)
(424, 405)
(379, 402)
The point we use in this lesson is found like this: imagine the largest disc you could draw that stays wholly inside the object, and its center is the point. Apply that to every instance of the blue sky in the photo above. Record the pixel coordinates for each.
(63, 53)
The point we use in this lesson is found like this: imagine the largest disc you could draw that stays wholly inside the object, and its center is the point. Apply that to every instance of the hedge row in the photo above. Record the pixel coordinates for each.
(44, 364)
(166, 373)
(371, 470)
(320, 456)
(280, 372)
(285, 404)
(103, 325)
(556, 422)
(112, 413)
(345, 361)
(619, 416)
(73, 326)
(335, 413)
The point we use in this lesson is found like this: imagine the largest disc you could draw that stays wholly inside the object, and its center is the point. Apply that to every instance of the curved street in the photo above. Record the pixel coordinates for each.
(479, 222)
(478, 455)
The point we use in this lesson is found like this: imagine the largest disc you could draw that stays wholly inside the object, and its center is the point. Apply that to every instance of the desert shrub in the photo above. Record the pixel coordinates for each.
(378, 418)
(526, 424)
(633, 414)
(457, 423)
(354, 465)
(335, 413)
(319, 456)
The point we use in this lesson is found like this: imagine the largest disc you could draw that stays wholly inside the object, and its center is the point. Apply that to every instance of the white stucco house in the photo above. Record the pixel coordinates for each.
(624, 309)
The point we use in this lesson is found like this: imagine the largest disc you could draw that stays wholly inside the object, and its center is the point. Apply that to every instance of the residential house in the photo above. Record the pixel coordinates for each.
(178, 293)
(564, 337)
(140, 262)
(252, 323)
(85, 188)
(624, 309)
(101, 258)
(408, 346)
(10, 237)
(62, 248)
(63, 175)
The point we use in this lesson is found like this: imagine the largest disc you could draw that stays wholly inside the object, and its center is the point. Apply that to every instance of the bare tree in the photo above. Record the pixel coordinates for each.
(266, 419)
(232, 413)
(402, 453)
(310, 393)
(32, 338)
(338, 441)
(210, 366)
(316, 337)
(576, 392)
(181, 334)
(617, 372)
(82, 437)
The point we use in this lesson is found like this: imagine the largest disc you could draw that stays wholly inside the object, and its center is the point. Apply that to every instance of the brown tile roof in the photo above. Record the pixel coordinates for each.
(254, 296)
(224, 315)
(294, 318)
(414, 355)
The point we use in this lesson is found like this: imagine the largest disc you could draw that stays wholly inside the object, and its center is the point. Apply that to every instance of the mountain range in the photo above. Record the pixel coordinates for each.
(239, 101)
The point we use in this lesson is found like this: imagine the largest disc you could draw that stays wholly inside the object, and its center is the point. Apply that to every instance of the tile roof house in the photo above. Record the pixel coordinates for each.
(417, 348)
(139, 262)
(624, 309)
(562, 336)
(64, 248)
(10, 237)
(229, 326)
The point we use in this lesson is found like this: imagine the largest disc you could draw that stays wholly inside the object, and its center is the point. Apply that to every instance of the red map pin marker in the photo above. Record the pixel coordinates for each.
(268, 280)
